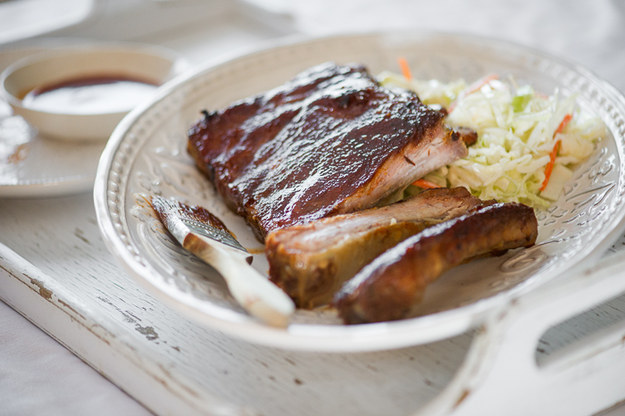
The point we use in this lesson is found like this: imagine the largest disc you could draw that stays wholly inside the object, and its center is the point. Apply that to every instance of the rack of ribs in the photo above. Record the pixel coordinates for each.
(311, 261)
(330, 141)
(388, 287)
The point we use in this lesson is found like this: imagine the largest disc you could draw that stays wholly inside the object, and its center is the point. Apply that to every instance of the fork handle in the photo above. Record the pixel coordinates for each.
(253, 291)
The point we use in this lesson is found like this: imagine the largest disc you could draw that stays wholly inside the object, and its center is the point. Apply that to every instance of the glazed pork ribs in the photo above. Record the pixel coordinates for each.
(388, 287)
(332, 140)
(311, 261)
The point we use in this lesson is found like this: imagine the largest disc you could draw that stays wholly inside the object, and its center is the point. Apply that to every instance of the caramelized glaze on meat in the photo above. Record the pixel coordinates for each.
(330, 141)
(387, 288)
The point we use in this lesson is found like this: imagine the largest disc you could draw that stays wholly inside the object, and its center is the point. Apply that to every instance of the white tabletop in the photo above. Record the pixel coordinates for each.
(40, 376)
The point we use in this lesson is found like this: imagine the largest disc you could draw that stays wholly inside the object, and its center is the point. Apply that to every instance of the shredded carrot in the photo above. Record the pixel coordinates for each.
(405, 68)
(554, 152)
(549, 167)
(567, 118)
(425, 184)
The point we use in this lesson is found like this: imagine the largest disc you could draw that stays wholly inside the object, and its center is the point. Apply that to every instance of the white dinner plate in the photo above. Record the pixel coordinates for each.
(147, 155)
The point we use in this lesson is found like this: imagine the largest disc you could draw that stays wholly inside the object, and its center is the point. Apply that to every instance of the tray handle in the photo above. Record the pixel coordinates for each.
(501, 375)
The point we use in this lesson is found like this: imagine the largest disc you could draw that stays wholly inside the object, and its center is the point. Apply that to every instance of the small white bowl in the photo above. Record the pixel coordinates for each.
(54, 67)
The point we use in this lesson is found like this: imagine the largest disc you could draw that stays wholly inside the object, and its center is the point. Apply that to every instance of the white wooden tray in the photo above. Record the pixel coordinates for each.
(58, 274)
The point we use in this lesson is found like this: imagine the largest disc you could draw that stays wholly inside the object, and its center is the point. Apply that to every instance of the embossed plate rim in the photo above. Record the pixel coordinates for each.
(110, 200)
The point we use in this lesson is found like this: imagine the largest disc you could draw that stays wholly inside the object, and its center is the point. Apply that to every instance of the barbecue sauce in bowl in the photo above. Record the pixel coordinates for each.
(90, 95)
(81, 93)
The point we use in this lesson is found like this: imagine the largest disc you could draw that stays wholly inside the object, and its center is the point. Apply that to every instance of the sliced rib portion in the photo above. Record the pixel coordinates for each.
(330, 141)
(310, 262)
(387, 288)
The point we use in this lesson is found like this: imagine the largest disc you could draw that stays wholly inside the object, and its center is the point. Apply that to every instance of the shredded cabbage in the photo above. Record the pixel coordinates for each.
(517, 130)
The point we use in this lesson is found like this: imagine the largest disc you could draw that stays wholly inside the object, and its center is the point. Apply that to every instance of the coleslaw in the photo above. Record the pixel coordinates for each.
(528, 143)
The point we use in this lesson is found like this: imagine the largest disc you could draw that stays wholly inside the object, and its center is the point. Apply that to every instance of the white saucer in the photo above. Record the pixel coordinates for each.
(35, 166)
